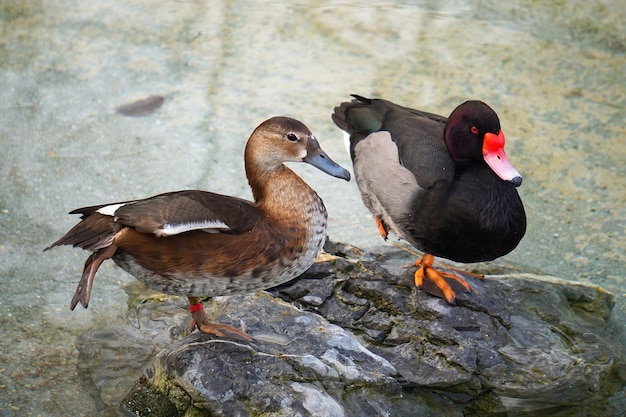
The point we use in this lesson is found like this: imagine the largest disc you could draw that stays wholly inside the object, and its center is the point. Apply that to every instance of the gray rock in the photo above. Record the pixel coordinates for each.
(298, 365)
(358, 339)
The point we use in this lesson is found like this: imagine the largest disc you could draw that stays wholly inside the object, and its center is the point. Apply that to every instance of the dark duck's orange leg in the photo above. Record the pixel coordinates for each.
(200, 320)
(382, 228)
(437, 282)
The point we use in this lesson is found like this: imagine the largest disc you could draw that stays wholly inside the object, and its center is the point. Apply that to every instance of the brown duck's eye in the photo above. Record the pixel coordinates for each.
(292, 137)
(474, 130)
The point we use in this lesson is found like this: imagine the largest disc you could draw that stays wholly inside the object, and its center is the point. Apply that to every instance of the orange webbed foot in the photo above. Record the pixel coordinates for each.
(200, 321)
(437, 282)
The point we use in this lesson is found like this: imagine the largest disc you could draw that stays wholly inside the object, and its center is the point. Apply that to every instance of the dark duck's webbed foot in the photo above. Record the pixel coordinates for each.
(200, 321)
(440, 283)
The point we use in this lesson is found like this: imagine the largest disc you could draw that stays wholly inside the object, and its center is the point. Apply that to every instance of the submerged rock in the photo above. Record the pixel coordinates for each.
(358, 339)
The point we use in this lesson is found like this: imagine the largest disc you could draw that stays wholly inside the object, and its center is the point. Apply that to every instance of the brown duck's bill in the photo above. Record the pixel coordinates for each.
(318, 158)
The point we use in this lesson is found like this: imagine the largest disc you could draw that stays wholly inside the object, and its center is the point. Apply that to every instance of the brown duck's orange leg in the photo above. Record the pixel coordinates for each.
(199, 319)
(437, 278)
(382, 228)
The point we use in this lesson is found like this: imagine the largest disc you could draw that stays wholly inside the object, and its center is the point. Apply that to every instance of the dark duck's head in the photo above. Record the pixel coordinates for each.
(473, 133)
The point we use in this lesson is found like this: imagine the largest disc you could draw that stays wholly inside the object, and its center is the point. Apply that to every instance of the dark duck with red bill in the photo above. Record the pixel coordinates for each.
(442, 184)
(197, 243)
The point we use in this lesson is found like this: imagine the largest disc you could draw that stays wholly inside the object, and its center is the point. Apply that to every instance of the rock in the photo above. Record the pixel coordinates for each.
(299, 364)
(358, 339)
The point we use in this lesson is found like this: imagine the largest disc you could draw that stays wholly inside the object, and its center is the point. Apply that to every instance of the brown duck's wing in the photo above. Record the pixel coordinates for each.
(181, 211)
(162, 215)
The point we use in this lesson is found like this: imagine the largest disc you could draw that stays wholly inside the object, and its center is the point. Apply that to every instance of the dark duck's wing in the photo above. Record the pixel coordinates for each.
(443, 184)
(197, 243)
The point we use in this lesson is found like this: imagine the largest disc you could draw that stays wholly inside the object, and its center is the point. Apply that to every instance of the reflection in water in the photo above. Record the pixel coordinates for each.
(553, 72)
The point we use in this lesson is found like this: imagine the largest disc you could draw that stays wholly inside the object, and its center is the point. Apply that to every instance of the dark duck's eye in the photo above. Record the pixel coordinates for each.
(474, 130)
(292, 137)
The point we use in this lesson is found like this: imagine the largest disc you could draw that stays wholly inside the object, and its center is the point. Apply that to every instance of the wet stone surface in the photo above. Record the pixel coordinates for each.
(357, 338)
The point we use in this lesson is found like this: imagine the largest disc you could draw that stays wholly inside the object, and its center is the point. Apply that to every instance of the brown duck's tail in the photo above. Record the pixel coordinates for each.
(94, 232)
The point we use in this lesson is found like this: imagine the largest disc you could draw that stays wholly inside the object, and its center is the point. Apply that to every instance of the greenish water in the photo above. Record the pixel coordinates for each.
(554, 72)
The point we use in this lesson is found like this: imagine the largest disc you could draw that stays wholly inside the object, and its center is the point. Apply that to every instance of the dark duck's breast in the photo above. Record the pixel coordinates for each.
(443, 184)
(197, 243)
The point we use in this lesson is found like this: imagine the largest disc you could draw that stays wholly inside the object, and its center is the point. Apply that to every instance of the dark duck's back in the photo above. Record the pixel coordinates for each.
(443, 184)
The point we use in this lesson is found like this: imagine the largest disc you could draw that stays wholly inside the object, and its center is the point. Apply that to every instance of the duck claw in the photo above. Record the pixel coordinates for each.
(199, 320)
(437, 282)
(225, 331)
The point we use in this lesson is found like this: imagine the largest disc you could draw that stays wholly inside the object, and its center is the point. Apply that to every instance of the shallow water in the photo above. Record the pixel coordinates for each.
(554, 72)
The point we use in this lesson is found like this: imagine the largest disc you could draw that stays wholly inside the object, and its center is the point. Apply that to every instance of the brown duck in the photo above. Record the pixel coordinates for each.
(197, 243)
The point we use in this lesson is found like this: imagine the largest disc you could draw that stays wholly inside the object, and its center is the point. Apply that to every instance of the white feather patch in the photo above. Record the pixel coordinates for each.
(110, 209)
(346, 141)
(174, 229)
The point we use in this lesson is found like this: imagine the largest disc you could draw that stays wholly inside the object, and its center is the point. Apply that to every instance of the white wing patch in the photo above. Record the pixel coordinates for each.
(206, 226)
(110, 209)
(346, 141)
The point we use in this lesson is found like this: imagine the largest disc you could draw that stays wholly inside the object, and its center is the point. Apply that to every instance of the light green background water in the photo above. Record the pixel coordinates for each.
(554, 72)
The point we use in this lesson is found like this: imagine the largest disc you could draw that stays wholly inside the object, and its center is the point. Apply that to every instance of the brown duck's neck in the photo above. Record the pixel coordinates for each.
(282, 191)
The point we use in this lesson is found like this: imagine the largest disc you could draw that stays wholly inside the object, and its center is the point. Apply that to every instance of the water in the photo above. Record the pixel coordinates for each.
(554, 72)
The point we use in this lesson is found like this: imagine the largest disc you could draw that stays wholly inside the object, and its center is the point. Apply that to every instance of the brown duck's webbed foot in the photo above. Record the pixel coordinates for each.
(83, 291)
(200, 321)
(437, 282)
